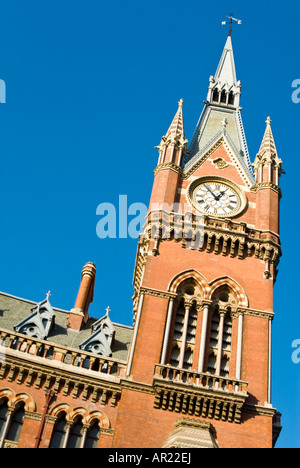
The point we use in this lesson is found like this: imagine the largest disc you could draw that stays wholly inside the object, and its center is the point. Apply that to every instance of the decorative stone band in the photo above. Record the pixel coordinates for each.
(158, 293)
(168, 165)
(217, 236)
(205, 302)
(268, 185)
(254, 313)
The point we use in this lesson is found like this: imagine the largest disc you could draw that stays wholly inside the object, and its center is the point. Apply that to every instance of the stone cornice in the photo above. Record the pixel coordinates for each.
(259, 410)
(255, 313)
(266, 185)
(169, 165)
(157, 293)
(242, 238)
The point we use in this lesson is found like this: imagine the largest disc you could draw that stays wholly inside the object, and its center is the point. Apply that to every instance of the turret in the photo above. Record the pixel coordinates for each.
(172, 150)
(268, 169)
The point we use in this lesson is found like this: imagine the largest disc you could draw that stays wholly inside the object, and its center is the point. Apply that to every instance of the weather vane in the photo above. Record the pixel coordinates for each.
(232, 19)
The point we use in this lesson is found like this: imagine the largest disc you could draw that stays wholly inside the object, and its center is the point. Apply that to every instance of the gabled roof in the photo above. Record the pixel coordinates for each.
(221, 138)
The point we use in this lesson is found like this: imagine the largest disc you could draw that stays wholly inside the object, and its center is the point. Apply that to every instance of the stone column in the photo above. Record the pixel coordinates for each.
(136, 327)
(184, 334)
(167, 332)
(222, 314)
(10, 412)
(239, 345)
(203, 337)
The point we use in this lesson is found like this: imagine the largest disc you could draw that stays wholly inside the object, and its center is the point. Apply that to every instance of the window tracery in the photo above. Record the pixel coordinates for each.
(186, 337)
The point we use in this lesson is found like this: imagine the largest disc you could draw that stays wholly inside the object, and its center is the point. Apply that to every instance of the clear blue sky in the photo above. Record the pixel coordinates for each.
(91, 88)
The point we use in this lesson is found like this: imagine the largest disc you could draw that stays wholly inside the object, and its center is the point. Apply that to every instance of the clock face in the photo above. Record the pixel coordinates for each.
(216, 199)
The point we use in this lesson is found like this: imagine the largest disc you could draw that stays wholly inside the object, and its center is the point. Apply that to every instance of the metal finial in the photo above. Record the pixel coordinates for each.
(232, 19)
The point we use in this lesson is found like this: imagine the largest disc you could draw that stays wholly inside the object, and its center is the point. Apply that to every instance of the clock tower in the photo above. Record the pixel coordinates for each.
(199, 365)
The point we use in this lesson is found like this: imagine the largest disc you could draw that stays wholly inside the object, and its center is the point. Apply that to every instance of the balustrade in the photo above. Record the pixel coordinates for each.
(68, 356)
(198, 379)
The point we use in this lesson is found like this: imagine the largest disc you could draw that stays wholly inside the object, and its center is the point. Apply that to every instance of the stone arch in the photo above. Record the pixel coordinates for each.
(62, 408)
(78, 412)
(7, 394)
(97, 415)
(87, 418)
(13, 399)
(199, 279)
(237, 290)
(29, 404)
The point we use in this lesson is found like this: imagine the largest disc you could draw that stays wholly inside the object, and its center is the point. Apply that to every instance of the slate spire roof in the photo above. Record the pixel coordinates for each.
(222, 105)
(226, 70)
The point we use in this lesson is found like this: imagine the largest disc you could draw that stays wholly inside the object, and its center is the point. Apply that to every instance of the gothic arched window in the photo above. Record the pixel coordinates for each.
(93, 435)
(216, 95)
(223, 96)
(220, 333)
(3, 416)
(76, 434)
(16, 424)
(231, 98)
(183, 337)
(59, 432)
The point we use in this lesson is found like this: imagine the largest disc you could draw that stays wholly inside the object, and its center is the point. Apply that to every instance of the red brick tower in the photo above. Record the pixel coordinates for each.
(199, 367)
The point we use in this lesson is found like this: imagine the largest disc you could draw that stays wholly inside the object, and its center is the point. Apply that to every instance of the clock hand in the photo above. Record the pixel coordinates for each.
(211, 192)
(221, 194)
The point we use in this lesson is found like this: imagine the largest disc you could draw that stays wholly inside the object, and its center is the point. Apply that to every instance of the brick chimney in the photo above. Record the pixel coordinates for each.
(79, 315)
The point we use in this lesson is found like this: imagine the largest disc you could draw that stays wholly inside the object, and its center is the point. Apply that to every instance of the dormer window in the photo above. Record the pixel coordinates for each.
(101, 339)
(40, 323)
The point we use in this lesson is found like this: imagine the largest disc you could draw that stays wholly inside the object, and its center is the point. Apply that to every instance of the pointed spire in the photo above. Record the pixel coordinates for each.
(176, 129)
(268, 147)
(226, 73)
(223, 102)
(267, 157)
(224, 90)
(174, 140)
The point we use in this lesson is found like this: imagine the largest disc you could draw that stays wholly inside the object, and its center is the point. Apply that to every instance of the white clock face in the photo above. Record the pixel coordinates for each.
(216, 199)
